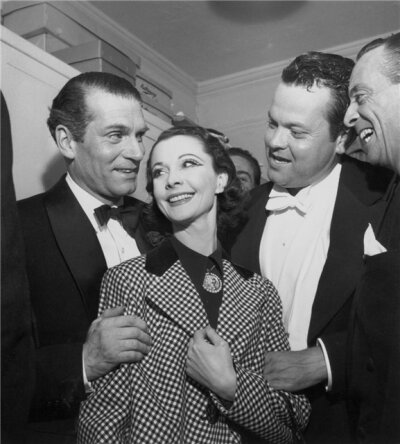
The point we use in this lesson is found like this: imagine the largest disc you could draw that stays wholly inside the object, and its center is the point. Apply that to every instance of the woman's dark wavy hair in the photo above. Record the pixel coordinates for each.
(231, 202)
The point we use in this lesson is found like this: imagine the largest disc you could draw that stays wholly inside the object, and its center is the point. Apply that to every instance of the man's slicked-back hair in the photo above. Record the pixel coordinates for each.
(391, 55)
(324, 70)
(69, 106)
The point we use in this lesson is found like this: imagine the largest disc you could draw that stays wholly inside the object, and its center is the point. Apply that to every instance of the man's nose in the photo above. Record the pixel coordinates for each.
(275, 138)
(351, 115)
(134, 149)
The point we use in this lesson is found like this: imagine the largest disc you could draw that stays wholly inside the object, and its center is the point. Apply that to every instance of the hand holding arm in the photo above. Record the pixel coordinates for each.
(209, 362)
(295, 370)
(114, 339)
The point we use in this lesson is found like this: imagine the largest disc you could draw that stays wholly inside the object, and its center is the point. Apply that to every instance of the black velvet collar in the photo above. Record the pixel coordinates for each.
(161, 258)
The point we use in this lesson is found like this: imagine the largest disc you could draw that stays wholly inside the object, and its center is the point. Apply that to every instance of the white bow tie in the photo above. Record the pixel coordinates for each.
(280, 200)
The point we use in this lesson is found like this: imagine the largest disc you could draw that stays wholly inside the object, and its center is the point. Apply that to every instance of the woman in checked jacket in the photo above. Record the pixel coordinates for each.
(211, 322)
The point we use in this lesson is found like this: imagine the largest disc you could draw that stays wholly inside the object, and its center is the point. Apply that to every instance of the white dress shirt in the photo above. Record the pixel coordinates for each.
(294, 248)
(115, 242)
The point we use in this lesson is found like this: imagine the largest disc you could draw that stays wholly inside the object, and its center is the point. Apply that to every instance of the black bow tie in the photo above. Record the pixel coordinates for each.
(128, 215)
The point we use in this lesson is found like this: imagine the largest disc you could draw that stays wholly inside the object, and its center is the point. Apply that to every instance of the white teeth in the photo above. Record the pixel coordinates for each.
(366, 134)
(280, 159)
(180, 197)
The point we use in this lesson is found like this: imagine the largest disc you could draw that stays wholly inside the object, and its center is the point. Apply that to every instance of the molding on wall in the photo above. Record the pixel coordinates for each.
(97, 22)
(273, 70)
(37, 54)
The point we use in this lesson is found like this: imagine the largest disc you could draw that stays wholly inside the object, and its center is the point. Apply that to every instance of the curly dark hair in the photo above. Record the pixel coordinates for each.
(231, 202)
(324, 70)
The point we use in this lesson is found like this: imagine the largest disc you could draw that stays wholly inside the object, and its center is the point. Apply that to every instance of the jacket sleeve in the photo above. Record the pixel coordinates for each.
(104, 417)
(270, 414)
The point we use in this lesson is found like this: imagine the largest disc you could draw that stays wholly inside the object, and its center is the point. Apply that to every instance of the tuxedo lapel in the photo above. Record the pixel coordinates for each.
(78, 243)
(246, 250)
(344, 262)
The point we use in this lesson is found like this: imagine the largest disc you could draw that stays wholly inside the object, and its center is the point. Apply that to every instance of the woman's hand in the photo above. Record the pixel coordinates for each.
(209, 362)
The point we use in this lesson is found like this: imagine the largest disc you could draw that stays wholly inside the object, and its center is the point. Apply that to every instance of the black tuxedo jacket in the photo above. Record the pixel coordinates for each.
(65, 265)
(358, 202)
(374, 346)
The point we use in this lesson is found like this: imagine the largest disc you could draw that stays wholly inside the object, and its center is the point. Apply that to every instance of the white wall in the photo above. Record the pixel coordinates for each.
(76, 22)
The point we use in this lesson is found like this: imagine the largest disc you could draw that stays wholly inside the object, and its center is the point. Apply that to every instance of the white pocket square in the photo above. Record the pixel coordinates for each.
(371, 245)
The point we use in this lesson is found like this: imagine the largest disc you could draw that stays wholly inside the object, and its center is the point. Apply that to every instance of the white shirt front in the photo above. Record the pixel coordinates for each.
(294, 248)
(117, 245)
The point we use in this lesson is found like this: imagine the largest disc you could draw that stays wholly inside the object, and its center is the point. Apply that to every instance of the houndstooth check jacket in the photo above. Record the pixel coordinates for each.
(154, 401)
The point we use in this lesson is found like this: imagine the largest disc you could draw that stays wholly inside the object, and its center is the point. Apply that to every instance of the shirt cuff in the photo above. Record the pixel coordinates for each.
(86, 383)
(320, 343)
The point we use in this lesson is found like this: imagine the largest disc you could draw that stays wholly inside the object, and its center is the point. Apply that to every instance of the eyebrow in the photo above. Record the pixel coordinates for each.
(125, 128)
(120, 126)
(290, 124)
(357, 88)
(180, 157)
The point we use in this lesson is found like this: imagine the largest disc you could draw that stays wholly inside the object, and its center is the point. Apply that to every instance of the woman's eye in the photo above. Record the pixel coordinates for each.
(157, 173)
(189, 163)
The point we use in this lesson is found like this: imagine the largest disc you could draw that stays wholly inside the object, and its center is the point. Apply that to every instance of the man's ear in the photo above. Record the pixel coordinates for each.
(341, 143)
(222, 180)
(65, 142)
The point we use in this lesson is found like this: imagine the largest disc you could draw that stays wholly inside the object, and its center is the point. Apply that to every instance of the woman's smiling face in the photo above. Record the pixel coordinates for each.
(185, 182)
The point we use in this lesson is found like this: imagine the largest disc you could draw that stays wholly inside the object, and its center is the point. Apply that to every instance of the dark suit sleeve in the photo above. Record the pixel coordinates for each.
(17, 375)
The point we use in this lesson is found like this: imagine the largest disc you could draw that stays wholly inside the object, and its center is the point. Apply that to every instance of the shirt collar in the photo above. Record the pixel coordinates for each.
(308, 195)
(86, 200)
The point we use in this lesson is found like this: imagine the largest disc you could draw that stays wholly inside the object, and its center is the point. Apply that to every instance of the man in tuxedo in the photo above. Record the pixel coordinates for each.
(73, 233)
(305, 231)
(374, 345)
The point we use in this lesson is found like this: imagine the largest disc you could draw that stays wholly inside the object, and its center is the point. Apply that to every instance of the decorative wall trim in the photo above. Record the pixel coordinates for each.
(273, 70)
(100, 24)
(8, 37)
